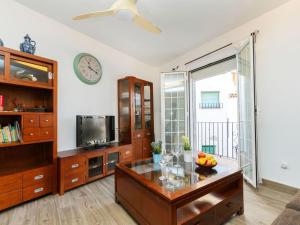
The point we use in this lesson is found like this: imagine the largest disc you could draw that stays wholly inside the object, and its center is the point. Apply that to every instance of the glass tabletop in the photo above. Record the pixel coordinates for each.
(177, 178)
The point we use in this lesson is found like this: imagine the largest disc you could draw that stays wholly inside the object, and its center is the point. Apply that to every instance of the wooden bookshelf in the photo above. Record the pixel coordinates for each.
(28, 167)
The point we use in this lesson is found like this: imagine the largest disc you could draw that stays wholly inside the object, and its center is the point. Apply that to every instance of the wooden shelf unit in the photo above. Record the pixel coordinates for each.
(136, 115)
(28, 168)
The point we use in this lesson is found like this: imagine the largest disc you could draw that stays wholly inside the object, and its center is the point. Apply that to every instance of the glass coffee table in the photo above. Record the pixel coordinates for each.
(190, 195)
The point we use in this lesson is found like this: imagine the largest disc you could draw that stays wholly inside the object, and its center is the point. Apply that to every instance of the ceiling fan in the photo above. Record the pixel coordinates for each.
(123, 5)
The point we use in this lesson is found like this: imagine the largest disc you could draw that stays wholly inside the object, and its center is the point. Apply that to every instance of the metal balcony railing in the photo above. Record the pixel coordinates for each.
(216, 105)
(218, 138)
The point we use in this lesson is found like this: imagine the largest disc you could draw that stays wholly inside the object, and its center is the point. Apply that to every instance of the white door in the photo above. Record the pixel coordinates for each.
(174, 106)
(247, 112)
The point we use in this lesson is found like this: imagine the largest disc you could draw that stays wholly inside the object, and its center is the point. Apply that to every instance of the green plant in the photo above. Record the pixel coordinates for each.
(156, 147)
(186, 143)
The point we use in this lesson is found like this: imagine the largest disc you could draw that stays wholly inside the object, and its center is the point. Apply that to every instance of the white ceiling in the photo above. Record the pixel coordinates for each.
(184, 23)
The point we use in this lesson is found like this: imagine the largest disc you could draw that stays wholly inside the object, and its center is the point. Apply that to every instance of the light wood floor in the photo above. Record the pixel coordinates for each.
(94, 204)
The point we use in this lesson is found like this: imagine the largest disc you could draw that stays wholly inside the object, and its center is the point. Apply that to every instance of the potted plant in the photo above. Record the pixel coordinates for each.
(188, 157)
(156, 151)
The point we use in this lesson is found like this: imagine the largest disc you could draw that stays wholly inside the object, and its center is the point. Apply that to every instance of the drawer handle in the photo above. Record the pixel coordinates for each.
(74, 180)
(148, 134)
(31, 134)
(39, 177)
(31, 121)
(38, 190)
(127, 152)
(75, 166)
(46, 120)
(46, 132)
(138, 135)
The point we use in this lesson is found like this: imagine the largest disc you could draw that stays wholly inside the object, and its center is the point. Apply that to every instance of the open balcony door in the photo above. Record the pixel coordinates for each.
(174, 108)
(247, 111)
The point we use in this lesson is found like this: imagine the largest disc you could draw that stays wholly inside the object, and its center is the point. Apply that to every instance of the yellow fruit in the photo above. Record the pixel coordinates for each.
(209, 157)
(202, 161)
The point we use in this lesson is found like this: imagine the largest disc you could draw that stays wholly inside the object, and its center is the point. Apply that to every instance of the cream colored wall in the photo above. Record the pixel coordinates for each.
(278, 92)
(58, 42)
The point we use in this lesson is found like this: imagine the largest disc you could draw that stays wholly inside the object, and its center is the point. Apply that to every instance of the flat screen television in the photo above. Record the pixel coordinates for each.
(94, 131)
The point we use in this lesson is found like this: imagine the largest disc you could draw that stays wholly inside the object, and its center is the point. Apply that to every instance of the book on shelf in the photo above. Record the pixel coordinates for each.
(10, 133)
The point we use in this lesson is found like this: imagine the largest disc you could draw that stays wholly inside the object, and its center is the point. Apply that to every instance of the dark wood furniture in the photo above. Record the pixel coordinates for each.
(28, 167)
(206, 197)
(135, 103)
(80, 166)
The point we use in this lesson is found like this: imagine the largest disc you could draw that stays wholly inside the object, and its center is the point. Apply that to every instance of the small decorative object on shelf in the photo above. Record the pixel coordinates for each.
(1, 42)
(156, 151)
(188, 156)
(1, 103)
(28, 46)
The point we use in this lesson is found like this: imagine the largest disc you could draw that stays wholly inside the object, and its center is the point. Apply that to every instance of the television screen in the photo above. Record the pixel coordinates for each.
(95, 130)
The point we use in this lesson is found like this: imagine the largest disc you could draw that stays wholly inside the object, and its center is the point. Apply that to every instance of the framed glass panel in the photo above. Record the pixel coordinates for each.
(1, 67)
(25, 71)
(138, 105)
(147, 106)
(95, 166)
(174, 108)
(112, 160)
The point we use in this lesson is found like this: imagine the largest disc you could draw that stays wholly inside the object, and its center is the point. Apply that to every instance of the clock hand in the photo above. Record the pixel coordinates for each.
(92, 69)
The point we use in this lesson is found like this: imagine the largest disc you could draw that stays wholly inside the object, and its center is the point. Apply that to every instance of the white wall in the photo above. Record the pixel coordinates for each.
(58, 42)
(278, 92)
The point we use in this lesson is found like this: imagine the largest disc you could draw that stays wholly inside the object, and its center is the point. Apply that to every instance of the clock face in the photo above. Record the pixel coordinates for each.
(87, 68)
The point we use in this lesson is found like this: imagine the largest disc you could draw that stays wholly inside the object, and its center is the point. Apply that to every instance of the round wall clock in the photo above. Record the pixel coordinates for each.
(87, 68)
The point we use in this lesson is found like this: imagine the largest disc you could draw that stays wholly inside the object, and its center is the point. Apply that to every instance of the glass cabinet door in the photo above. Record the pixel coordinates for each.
(1, 67)
(124, 111)
(31, 72)
(113, 158)
(138, 106)
(147, 106)
(95, 167)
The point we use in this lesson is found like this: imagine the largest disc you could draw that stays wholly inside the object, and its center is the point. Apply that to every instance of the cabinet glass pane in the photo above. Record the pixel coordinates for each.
(95, 166)
(138, 105)
(174, 108)
(20, 70)
(1, 67)
(147, 106)
(112, 160)
(124, 103)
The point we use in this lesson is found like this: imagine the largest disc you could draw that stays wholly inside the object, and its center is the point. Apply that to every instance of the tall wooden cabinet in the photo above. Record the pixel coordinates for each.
(136, 117)
(28, 85)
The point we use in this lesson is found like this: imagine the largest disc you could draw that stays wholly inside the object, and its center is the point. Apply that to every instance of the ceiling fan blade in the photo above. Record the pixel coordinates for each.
(147, 25)
(95, 14)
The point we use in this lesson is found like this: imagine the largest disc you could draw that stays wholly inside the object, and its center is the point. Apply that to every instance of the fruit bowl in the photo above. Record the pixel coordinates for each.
(205, 160)
(205, 166)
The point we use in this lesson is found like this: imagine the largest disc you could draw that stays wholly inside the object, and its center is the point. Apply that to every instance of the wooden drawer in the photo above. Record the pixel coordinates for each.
(138, 134)
(10, 199)
(74, 180)
(46, 120)
(148, 134)
(37, 190)
(227, 208)
(31, 121)
(37, 176)
(10, 183)
(31, 134)
(126, 153)
(73, 165)
(46, 133)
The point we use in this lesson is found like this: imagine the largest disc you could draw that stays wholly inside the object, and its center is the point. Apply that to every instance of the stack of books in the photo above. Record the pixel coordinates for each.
(10, 133)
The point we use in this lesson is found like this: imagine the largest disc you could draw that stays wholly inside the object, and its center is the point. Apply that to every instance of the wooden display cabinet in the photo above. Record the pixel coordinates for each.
(136, 117)
(28, 167)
